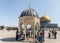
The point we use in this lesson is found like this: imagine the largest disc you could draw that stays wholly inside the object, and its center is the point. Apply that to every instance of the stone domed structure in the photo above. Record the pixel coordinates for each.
(45, 18)
(29, 12)
(29, 17)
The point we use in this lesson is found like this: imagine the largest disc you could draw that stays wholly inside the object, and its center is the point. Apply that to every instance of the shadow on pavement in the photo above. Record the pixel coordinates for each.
(11, 39)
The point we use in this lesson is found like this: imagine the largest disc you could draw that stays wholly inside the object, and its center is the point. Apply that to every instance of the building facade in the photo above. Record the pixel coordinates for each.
(45, 23)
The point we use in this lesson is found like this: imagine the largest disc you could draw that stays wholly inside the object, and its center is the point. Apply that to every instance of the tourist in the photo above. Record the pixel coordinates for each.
(55, 34)
(27, 33)
(43, 33)
(49, 34)
(16, 35)
(41, 38)
(52, 34)
(20, 37)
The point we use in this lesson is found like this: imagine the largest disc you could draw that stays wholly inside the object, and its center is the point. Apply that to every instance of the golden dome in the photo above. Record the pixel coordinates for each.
(45, 18)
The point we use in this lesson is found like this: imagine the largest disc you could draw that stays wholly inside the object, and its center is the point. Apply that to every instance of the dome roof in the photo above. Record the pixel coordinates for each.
(45, 18)
(29, 12)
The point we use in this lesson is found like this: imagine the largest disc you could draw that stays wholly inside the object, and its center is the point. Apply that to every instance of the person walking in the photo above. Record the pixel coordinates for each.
(16, 35)
(43, 34)
(49, 34)
(41, 38)
(52, 33)
(55, 34)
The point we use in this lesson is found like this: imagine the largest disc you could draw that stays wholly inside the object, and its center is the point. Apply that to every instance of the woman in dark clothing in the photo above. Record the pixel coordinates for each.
(16, 35)
(49, 34)
(41, 38)
(55, 33)
(20, 38)
(43, 34)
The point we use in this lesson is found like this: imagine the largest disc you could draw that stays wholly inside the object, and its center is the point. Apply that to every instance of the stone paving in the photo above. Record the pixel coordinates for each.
(9, 37)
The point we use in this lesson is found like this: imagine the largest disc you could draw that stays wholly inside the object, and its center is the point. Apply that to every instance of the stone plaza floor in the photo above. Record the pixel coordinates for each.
(9, 37)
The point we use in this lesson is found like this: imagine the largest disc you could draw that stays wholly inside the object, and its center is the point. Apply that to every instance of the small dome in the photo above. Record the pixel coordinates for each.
(45, 18)
(29, 12)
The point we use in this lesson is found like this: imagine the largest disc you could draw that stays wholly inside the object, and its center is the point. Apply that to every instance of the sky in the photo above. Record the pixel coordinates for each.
(10, 10)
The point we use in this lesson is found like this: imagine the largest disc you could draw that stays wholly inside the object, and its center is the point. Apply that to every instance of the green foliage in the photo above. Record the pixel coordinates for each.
(1, 27)
(11, 28)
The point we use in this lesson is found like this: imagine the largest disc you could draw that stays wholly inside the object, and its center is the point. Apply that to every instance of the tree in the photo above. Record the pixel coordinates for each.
(2, 27)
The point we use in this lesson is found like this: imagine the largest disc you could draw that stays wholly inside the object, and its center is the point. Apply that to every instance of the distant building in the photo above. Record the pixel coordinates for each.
(46, 25)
